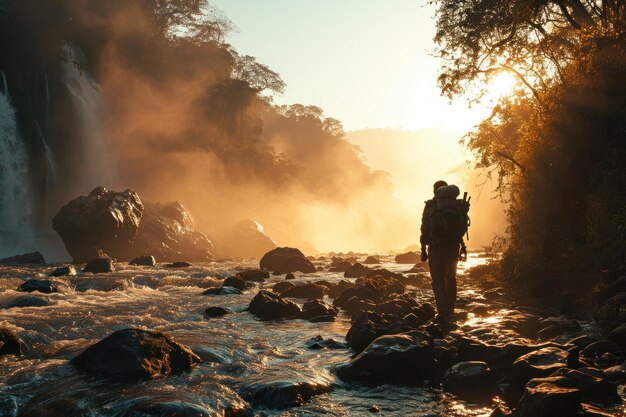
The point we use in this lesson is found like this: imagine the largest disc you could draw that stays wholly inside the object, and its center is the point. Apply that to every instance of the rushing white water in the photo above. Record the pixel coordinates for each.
(91, 153)
(15, 193)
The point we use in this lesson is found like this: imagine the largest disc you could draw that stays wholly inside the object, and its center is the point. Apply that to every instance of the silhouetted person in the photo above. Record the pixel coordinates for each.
(444, 223)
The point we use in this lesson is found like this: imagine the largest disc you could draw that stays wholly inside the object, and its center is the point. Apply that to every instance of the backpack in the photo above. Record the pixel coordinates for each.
(449, 220)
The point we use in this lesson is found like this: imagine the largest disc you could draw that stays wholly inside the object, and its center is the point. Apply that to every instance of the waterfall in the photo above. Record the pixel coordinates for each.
(91, 153)
(15, 192)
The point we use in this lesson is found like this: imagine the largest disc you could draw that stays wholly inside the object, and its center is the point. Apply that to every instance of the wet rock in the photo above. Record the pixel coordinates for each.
(247, 239)
(546, 399)
(616, 374)
(280, 395)
(135, 353)
(99, 266)
(63, 271)
(269, 306)
(27, 258)
(167, 232)
(235, 282)
(104, 219)
(27, 301)
(253, 275)
(369, 326)
(317, 310)
(408, 258)
(416, 269)
(166, 407)
(10, 343)
(618, 336)
(371, 260)
(339, 265)
(364, 291)
(144, 260)
(468, 377)
(607, 360)
(319, 343)
(310, 291)
(405, 358)
(357, 271)
(179, 264)
(588, 410)
(216, 312)
(283, 286)
(286, 260)
(339, 287)
(536, 364)
(290, 276)
(45, 286)
(599, 348)
(593, 386)
(222, 291)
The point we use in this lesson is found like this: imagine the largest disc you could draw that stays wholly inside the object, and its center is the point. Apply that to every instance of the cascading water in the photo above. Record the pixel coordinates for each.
(91, 153)
(15, 192)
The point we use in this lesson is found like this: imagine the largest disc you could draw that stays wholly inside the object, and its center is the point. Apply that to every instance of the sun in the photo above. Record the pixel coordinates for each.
(502, 84)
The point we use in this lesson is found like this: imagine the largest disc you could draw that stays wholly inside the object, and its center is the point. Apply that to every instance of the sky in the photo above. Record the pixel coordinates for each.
(368, 63)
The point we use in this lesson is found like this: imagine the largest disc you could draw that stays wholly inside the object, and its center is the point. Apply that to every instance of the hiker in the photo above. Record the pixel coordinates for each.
(444, 223)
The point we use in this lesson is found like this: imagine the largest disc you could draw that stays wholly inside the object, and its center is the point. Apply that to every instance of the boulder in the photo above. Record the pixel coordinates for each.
(222, 291)
(167, 232)
(317, 311)
(369, 326)
(469, 377)
(545, 399)
(10, 343)
(254, 275)
(27, 258)
(269, 306)
(371, 260)
(135, 353)
(319, 343)
(281, 287)
(357, 271)
(235, 282)
(178, 264)
(339, 265)
(216, 312)
(408, 258)
(27, 301)
(160, 407)
(99, 266)
(536, 364)
(336, 289)
(63, 271)
(45, 286)
(286, 260)
(310, 291)
(283, 394)
(618, 336)
(143, 260)
(290, 276)
(104, 220)
(405, 358)
(247, 239)
(592, 384)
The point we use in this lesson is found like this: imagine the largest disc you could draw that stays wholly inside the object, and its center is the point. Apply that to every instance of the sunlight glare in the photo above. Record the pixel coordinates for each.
(502, 84)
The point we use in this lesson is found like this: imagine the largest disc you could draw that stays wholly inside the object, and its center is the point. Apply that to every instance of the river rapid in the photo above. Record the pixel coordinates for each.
(237, 350)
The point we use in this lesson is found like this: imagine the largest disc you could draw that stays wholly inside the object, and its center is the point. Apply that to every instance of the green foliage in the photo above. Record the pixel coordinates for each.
(558, 147)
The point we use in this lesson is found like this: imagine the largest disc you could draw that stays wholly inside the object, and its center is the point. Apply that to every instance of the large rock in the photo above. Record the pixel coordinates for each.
(27, 258)
(269, 306)
(104, 220)
(317, 311)
(10, 343)
(468, 377)
(280, 395)
(309, 290)
(357, 271)
(99, 266)
(246, 240)
(167, 233)
(405, 358)
(369, 326)
(136, 353)
(286, 260)
(26, 301)
(45, 286)
(144, 260)
(537, 364)
(408, 258)
(545, 399)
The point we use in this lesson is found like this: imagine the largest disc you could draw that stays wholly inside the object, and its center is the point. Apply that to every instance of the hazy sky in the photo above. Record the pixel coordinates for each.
(366, 62)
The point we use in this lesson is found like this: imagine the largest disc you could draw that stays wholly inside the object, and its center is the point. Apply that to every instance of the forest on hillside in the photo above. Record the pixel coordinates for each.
(557, 146)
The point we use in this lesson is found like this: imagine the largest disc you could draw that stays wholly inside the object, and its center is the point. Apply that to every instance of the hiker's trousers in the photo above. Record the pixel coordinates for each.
(443, 259)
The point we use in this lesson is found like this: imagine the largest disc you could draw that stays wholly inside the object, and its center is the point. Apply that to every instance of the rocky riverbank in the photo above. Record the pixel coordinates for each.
(291, 334)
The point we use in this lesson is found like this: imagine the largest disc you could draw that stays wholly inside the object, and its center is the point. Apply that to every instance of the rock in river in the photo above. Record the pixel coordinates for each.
(63, 271)
(405, 358)
(213, 312)
(286, 260)
(143, 260)
(281, 395)
(105, 220)
(135, 353)
(27, 258)
(408, 258)
(99, 266)
(10, 343)
(45, 286)
(269, 306)
(468, 377)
